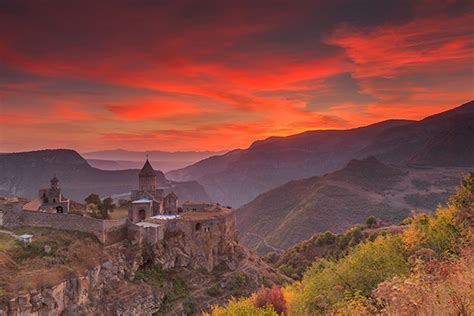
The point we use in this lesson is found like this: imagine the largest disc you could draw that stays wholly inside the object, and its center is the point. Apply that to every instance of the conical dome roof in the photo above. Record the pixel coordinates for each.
(147, 170)
(54, 179)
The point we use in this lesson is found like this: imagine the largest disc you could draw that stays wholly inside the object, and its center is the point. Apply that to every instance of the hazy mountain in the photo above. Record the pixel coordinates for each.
(120, 159)
(239, 176)
(25, 173)
(128, 164)
(445, 139)
(295, 211)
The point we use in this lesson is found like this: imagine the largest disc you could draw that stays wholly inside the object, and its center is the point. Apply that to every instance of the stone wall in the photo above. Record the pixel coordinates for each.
(114, 231)
(107, 231)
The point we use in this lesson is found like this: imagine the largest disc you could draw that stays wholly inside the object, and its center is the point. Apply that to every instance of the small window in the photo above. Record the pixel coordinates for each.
(198, 226)
(141, 215)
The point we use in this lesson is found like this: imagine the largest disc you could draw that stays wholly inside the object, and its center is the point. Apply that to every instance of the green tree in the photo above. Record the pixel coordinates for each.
(93, 199)
(328, 283)
(107, 207)
(100, 209)
(462, 197)
(371, 221)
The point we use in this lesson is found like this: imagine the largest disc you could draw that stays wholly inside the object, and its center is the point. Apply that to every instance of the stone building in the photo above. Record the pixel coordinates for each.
(170, 204)
(148, 200)
(51, 199)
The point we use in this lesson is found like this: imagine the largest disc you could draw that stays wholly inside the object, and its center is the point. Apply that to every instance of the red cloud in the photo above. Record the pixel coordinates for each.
(391, 50)
(226, 79)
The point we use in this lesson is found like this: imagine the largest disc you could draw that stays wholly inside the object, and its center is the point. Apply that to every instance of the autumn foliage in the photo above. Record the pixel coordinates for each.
(273, 297)
(428, 269)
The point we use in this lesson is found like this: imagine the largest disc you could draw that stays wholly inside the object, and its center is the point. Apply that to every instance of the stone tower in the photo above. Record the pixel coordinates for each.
(54, 183)
(147, 178)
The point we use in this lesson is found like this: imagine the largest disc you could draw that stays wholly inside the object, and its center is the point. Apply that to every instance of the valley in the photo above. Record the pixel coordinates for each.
(341, 199)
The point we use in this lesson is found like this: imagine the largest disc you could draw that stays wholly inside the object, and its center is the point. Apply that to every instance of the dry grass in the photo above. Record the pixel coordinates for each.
(217, 212)
(438, 288)
(119, 213)
(26, 266)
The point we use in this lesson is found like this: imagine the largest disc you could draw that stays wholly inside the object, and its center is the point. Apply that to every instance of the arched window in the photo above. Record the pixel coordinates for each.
(54, 200)
(198, 227)
(59, 209)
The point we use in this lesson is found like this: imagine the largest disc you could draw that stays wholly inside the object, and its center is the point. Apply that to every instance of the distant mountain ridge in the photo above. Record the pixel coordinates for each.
(237, 177)
(24, 173)
(298, 209)
(120, 159)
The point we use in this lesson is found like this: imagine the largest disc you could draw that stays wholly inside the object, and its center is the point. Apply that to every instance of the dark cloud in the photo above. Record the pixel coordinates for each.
(252, 68)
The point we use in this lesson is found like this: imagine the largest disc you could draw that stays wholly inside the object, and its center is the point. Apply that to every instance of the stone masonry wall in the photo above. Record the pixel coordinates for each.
(107, 231)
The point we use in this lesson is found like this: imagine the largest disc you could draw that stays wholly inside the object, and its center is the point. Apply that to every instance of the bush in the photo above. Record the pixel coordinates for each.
(462, 198)
(242, 307)
(153, 275)
(371, 222)
(447, 290)
(214, 290)
(237, 281)
(328, 283)
(274, 297)
(328, 237)
(440, 232)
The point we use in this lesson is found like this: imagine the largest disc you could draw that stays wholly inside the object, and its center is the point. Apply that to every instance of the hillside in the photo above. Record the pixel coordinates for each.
(294, 261)
(23, 174)
(239, 176)
(425, 267)
(335, 201)
(444, 139)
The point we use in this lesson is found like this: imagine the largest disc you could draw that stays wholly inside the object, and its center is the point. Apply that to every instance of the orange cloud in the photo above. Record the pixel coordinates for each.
(224, 74)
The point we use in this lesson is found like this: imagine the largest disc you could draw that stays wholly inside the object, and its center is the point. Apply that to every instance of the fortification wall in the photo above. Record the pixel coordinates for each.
(114, 231)
(107, 231)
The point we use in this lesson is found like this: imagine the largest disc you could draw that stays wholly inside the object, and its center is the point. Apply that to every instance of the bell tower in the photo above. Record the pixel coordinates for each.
(147, 178)
(54, 183)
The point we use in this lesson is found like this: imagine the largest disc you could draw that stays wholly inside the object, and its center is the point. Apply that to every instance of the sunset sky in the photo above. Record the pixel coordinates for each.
(211, 75)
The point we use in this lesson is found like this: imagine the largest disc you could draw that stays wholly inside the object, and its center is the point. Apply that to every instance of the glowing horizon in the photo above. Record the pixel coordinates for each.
(217, 76)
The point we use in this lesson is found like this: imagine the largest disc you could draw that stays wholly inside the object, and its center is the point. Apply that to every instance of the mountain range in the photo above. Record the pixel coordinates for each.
(23, 174)
(121, 159)
(288, 214)
(237, 177)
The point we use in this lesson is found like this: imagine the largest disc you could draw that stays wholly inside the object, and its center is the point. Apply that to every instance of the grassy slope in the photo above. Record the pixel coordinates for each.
(29, 266)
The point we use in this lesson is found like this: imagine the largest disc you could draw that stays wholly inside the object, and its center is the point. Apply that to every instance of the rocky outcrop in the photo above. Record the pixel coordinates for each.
(110, 286)
(104, 288)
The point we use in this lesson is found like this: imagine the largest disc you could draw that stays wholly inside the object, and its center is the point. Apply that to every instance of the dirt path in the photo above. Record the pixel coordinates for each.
(265, 242)
(2, 231)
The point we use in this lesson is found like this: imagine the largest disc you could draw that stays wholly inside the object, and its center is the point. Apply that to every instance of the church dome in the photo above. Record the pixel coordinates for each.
(147, 170)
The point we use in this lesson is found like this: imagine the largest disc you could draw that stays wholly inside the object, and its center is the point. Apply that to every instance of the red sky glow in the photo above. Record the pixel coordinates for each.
(212, 75)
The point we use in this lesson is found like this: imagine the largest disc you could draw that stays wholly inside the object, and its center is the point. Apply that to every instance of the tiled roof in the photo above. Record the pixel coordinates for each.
(147, 170)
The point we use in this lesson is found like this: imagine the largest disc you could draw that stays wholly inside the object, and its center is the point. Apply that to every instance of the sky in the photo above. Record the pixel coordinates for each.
(214, 75)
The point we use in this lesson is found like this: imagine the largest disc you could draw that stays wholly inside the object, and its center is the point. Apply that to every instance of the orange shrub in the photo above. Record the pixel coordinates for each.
(273, 297)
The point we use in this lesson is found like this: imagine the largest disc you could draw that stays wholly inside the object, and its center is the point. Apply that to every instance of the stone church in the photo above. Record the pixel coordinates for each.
(52, 199)
(148, 200)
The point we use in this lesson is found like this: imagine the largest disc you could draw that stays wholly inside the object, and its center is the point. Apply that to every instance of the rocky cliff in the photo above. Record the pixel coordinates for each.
(93, 292)
(121, 285)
